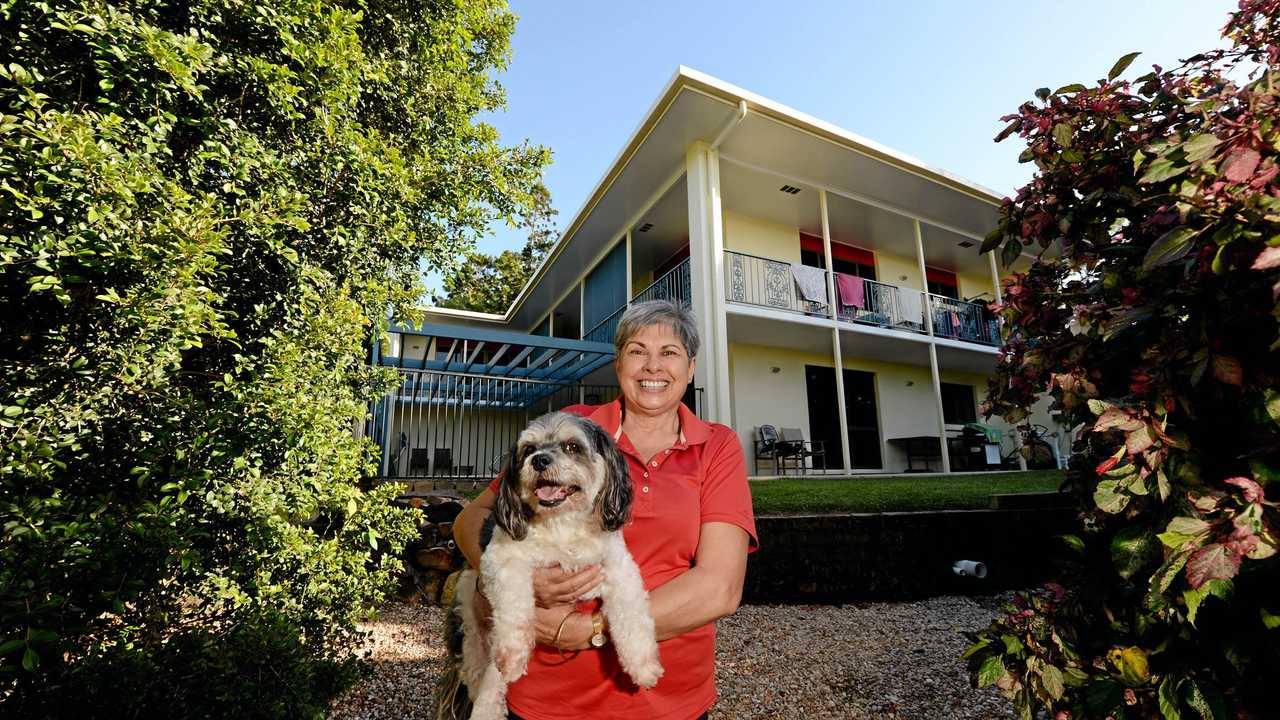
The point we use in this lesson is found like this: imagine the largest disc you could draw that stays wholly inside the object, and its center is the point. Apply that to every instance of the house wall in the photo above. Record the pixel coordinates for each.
(890, 269)
(761, 237)
(762, 397)
(975, 284)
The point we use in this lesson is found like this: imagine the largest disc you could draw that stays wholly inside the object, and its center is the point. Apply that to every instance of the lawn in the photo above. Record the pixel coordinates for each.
(894, 493)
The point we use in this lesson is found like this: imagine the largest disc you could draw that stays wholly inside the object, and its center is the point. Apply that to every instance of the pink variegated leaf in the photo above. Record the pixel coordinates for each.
(1115, 418)
(1227, 369)
(1253, 492)
(1267, 259)
(1214, 561)
(1240, 165)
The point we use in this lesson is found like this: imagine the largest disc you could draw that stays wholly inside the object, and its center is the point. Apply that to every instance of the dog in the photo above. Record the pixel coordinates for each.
(562, 500)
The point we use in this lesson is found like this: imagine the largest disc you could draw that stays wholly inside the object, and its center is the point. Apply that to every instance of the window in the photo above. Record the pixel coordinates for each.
(958, 406)
(942, 282)
(847, 259)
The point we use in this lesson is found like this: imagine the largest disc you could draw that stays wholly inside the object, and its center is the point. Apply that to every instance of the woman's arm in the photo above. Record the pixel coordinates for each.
(704, 593)
(709, 590)
(466, 527)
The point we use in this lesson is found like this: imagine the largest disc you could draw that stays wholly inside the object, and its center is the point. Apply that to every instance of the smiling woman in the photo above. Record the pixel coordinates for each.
(690, 530)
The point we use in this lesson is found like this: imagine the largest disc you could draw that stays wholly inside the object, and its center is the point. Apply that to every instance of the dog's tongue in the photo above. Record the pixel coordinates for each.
(551, 493)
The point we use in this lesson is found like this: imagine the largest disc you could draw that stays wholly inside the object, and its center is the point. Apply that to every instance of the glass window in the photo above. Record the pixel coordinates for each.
(958, 406)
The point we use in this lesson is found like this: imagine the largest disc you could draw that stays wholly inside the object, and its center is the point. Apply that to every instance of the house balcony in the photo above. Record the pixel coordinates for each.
(777, 285)
(674, 285)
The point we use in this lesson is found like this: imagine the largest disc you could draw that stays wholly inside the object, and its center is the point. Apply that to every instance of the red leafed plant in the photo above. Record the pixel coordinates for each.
(1149, 311)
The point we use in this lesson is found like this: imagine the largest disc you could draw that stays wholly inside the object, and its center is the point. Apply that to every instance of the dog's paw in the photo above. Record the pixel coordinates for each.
(512, 661)
(647, 674)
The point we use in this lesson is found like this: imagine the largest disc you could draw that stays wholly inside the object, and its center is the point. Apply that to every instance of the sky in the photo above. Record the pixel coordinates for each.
(928, 78)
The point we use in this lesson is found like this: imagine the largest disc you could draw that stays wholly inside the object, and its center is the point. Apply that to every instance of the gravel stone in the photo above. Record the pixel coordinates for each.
(873, 660)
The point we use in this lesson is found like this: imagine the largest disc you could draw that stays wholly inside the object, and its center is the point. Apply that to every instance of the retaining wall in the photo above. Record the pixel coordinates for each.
(901, 556)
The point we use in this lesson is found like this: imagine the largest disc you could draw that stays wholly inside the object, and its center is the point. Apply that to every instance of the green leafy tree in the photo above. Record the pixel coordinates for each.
(207, 209)
(490, 283)
(1150, 313)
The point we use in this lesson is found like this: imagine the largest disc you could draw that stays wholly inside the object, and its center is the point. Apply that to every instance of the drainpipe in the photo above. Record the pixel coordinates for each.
(731, 125)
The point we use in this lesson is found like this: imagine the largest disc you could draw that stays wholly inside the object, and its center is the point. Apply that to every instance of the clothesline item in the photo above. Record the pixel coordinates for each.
(851, 290)
(812, 282)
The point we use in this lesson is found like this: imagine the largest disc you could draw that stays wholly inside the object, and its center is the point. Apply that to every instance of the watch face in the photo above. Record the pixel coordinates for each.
(597, 640)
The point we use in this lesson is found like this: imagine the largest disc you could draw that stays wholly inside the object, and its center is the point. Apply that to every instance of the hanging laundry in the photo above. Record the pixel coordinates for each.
(910, 307)
(851, 290)
(812, 282)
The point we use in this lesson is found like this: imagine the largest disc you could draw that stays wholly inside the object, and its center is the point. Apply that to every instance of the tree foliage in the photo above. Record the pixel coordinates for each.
(1150, 313)
(206, 210)
(490, 283)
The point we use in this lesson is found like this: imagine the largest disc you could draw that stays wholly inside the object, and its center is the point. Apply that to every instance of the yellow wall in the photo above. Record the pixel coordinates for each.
(761, 237)
(891, 268)
(640, 280)
(974, 284)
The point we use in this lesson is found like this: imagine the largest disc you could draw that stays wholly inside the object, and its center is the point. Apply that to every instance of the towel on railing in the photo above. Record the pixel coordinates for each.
(909, 306)
(851, 290)
(812, 282)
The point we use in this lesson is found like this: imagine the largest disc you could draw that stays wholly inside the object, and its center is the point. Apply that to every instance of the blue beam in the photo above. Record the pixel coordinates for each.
(500, 336)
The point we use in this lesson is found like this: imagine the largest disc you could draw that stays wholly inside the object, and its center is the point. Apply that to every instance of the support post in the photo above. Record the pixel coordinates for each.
(706, 258)
(937, 401)
(832, 302)
(630, 270)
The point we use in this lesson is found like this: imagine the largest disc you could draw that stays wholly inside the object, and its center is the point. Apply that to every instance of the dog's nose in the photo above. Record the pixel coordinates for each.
(540, 461)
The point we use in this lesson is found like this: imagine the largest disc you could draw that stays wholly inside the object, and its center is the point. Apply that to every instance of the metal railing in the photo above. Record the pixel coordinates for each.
(755, 280)
(455, 425)
(963, 320)
(886, 305)
(675, 284)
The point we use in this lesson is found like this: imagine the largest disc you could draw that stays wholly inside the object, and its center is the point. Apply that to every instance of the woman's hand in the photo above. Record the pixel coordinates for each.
(576, 633)
(552, 586)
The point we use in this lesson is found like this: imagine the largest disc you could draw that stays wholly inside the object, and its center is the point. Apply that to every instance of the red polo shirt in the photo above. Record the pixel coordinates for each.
(701, 479)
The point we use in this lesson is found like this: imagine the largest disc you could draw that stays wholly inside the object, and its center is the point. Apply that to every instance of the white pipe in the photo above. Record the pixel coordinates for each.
(731, 125)
(969, 568)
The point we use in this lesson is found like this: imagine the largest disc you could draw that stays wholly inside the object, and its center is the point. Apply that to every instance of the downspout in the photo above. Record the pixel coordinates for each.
(732, 125)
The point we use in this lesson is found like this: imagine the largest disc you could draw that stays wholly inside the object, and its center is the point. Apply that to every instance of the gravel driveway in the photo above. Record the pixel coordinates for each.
(874, 660)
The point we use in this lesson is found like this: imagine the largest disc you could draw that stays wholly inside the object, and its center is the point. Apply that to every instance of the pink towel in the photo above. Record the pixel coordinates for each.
(850, 289)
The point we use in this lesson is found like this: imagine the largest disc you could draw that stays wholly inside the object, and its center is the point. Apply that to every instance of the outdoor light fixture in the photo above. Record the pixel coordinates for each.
(775, 369)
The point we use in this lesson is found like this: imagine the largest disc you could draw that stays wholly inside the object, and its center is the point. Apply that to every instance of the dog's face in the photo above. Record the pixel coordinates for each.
(563, 465)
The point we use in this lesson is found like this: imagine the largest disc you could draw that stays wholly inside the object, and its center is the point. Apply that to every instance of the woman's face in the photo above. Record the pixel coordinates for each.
(654, 369)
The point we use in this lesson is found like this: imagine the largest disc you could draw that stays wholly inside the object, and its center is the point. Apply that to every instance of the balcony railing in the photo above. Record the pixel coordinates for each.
(886, 305)
(764, 282)
(454, 425)
(754, 280)
(963, 320)
(674, 285)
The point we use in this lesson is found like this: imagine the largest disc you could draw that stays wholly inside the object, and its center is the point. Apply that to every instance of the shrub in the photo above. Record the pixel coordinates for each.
(202, 206)
(1149, 311)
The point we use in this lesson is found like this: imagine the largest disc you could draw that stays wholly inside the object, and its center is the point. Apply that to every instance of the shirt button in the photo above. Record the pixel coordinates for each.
(654, 463)
(646, 474)
(644, 489)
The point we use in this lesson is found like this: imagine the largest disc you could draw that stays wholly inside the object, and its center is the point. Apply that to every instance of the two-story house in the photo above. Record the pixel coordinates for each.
(802, 249)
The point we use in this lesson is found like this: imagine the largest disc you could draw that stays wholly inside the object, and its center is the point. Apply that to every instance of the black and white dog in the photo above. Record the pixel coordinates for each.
(563, 499)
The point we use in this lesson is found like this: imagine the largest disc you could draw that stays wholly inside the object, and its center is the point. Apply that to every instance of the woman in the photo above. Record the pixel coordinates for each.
(690, 532)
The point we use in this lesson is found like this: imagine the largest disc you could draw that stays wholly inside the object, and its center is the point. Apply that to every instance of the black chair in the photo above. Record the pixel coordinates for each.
(442, 461)
(793, 446)
(419, 461)
(767, 446)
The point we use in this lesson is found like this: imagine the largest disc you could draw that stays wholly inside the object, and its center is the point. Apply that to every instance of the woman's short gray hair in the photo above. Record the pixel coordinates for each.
(658, 312)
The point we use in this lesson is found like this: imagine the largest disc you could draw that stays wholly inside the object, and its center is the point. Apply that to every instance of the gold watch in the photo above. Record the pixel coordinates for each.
(598, 638)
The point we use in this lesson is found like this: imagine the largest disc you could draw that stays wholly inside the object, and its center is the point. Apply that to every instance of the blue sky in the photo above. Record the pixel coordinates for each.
(928, 78)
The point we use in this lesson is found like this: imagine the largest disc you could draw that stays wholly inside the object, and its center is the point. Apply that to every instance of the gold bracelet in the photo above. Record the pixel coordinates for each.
(560, 630)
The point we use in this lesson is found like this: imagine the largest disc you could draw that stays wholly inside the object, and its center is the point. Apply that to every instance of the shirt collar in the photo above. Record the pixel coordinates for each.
(693, 431)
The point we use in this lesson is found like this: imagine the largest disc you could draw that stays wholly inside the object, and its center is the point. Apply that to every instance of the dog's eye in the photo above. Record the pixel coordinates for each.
(527, 451)
(572, 447)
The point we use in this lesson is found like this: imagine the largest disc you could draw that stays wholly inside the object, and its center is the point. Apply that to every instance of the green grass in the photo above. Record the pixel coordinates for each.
(894, 493)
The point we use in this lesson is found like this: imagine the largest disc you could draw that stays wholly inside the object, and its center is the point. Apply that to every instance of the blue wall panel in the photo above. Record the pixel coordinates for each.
(606, 288)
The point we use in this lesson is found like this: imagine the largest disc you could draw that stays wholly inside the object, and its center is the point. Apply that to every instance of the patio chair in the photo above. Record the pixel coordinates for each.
(793, 446)
(419, 461)
(767, 446)
(442, 462)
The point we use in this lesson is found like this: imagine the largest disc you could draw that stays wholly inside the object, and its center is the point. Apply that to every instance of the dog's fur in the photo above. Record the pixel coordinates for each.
(563, 499)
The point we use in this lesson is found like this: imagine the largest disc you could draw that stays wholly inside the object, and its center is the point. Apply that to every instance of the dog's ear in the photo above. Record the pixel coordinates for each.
(613, 504)
(508, 511)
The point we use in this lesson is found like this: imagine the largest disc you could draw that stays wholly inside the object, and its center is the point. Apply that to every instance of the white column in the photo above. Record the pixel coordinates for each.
(630, 270)
(582, 307)
(933, 349)
(832, 302)
(995, 276)
(706, 257)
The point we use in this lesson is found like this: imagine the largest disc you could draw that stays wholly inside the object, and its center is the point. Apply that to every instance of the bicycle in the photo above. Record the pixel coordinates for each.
(1037, 451)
